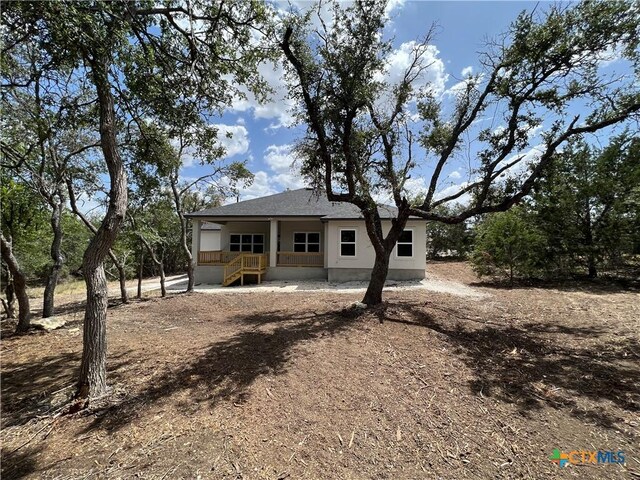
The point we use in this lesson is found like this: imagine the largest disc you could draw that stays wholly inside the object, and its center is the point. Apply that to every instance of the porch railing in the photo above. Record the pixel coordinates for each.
(285, 259)
(300, 259)
(215, 257)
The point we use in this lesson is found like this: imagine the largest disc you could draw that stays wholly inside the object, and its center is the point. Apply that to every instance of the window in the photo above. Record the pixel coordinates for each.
(246, 242)
(347, 243)
(306, 242)
(405, 244)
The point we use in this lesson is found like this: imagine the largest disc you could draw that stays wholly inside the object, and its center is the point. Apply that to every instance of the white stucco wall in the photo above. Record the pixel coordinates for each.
(365, 254)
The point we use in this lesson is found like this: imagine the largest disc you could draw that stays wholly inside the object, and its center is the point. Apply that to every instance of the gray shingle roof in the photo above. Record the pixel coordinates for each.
(292, 203)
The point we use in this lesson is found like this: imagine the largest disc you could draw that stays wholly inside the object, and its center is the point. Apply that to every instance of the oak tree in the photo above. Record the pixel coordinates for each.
(367, 134)
(181, 61)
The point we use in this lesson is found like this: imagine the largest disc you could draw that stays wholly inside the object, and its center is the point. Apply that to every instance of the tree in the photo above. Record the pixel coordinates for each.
(19, 283)
(73, 202)
(157, 166)
(42, 135)
(509, 243)
(22, 220)
(152, 218)
(544, 69)
(135, 54)
(585, 204)
(448, 239)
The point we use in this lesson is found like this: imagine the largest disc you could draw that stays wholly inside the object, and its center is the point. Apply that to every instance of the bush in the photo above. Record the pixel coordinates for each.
(508, 245)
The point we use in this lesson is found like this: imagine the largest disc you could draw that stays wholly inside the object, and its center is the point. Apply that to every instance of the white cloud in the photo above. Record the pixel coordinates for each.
(261, 187)
(236, 143)
(466, 71)
(415, 186)
(391, 6)
(400, 59)
(277, 107)
(234, 139)
(455, 175)
(288, 181)
(188, 153)
(534, 130)
(283, 173)
(463, 199)
(279, 158)
(462, 85)
(528, 158)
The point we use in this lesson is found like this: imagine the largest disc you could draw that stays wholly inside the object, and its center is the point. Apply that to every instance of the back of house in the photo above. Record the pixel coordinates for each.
(298, 235)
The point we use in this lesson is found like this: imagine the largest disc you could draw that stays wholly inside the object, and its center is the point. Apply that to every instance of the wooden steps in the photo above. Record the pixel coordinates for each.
(244, 264)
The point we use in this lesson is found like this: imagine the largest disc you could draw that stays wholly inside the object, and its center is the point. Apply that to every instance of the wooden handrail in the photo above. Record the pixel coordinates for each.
(234, 266)
(300, 259)
(215, 257)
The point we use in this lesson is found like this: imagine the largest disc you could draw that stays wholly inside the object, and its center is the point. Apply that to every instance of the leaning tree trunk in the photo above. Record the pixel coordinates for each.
(58, 260)
(183, 234)
(124, 297)
(163, 288)
(9, 291)
(19, 285)
(122, 278)
(383, 246)
(373, 295)
(93, 368)
(140, 272)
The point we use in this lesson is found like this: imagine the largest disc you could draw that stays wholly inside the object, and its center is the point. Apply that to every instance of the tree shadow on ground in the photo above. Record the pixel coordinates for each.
(39, 388)
(533, 366)
(226, 369)
(8, 326)
(593, 287)
(20, 463)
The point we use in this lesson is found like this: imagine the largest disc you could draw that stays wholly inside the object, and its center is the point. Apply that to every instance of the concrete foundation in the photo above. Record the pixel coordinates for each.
(341, 275)
(296, 273)
(212, 275)
(209, 274)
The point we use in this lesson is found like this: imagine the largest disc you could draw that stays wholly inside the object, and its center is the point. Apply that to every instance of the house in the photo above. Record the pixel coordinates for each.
(297, 235)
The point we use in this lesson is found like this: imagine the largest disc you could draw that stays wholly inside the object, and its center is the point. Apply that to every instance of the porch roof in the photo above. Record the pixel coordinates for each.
(292, 203)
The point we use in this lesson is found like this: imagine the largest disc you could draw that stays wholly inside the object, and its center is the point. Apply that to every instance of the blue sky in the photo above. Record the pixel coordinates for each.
(263, 136)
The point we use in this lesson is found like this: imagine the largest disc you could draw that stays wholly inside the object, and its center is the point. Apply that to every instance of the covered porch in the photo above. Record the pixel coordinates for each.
(276, 248)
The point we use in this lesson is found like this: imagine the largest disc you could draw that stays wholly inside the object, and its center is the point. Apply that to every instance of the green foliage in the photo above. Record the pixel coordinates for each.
(587, 206)
(74, 242)
(26, 221)
(582, 219)
(508, 245)
(444, 239)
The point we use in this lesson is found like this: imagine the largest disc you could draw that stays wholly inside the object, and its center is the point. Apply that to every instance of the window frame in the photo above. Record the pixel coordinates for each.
(264, 243)
(401, 257)
(306, 242)
(354, 243)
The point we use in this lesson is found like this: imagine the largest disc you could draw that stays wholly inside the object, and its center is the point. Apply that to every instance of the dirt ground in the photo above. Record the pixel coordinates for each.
(301, 386)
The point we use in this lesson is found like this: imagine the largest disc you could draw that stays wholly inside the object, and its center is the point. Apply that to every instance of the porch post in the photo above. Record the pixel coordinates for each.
(273, 243)
(195, 240)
